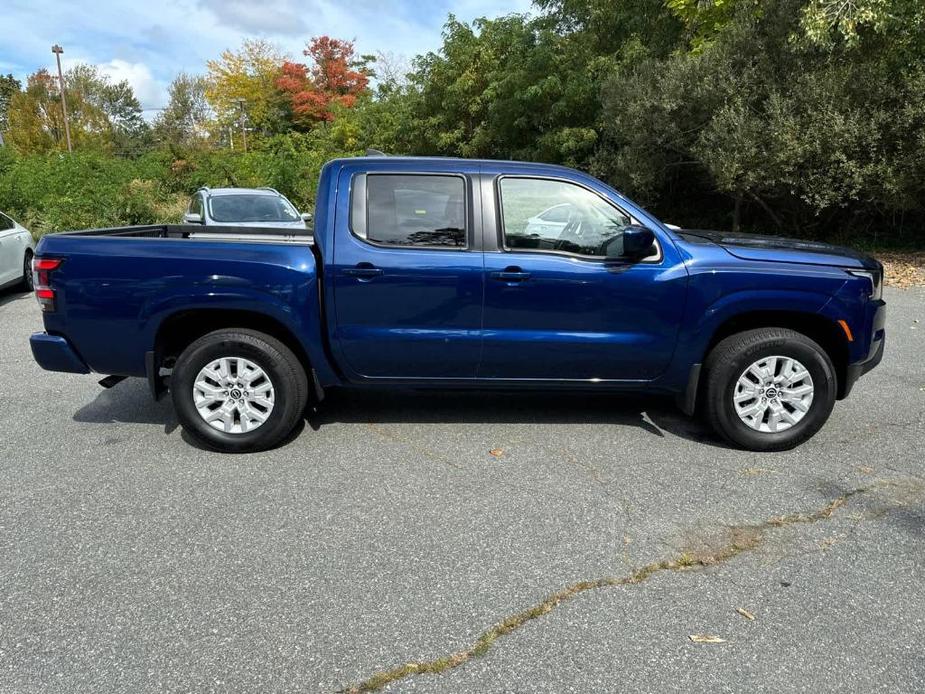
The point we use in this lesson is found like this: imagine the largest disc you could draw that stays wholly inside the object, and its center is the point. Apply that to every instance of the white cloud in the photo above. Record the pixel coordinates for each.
(149, 91)
(154, 41)
(280, 18)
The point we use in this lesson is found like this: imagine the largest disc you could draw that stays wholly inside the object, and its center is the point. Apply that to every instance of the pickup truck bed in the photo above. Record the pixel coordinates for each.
(456, 273)
(194, 231)
(128, 275)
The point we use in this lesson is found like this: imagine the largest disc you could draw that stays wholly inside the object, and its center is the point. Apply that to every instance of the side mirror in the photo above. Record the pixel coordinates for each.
(306, 217)
(192, 218)
(637, 241)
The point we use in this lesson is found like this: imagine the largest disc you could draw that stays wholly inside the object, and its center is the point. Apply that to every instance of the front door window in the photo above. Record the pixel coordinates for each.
(550, 215)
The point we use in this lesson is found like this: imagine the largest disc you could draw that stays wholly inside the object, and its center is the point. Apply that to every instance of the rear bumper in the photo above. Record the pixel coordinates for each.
(54, 353)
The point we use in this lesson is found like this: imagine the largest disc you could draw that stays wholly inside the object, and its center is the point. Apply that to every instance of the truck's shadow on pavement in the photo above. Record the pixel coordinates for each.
(653, 415)
(130, 402)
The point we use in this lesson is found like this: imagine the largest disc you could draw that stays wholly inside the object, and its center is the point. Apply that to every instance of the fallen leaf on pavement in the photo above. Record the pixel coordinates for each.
(745, 613)
(903, 269)
(706, 638)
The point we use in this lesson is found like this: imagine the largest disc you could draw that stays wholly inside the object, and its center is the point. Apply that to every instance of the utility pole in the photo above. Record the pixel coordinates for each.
(57, 50)
(243, 123)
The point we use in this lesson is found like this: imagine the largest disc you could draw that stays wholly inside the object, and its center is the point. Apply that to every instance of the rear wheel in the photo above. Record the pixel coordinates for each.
(238, 390)
(769, 389)
(27, 272)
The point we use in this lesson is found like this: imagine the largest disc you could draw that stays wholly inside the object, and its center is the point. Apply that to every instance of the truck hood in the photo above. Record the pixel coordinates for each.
(781, 250)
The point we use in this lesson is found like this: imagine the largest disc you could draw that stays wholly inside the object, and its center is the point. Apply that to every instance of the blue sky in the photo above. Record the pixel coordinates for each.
(147, 42)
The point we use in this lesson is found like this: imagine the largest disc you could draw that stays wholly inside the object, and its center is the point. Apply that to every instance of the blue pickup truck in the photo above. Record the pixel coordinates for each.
(447, 273)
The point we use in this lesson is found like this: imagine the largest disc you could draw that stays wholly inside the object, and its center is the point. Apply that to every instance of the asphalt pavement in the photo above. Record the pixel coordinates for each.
(459, 542)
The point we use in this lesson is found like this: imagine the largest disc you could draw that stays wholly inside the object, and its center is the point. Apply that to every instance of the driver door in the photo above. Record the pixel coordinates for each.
(560, 302)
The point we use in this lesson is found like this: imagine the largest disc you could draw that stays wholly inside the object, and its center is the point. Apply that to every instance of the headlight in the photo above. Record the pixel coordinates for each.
(875, 279)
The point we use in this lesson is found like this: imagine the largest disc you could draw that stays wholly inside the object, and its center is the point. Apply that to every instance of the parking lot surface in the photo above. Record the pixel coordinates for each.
(459, 542)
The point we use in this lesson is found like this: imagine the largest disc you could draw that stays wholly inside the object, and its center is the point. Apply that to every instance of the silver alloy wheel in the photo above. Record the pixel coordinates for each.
(773, 394)
(233, 395)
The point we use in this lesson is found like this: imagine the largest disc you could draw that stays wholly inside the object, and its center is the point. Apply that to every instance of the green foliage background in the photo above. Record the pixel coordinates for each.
(797, 117)
(55, 191)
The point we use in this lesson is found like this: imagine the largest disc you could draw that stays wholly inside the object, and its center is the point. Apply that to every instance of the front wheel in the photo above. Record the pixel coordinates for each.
(769, 389)
(238, 390)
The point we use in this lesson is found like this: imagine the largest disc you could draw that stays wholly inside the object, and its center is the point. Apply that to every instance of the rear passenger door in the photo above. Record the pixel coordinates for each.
(408, 276)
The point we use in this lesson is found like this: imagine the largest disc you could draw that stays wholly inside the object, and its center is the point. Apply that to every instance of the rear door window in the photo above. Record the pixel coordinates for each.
(412, 210)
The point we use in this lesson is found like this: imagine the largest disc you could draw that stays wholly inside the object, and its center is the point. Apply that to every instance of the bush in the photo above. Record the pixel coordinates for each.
(57, 192)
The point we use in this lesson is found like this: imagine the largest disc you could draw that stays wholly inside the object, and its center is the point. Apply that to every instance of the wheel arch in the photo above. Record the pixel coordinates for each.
(179, 330)
(816, 326)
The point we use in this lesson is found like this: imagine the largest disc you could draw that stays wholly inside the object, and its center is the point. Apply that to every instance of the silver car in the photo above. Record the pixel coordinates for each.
(251, 207)
(16, 249)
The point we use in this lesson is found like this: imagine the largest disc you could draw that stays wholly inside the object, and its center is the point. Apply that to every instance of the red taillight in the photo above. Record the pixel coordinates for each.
(41, 272)
(45, 264)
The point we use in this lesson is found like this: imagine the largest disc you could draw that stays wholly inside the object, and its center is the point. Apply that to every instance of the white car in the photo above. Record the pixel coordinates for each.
(550, 221)
(16, 249)
(250, 207)
(554, 219)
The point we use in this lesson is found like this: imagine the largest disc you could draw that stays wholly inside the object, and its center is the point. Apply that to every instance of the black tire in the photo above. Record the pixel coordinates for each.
(285, 372)
(728, 361)
(26, 283)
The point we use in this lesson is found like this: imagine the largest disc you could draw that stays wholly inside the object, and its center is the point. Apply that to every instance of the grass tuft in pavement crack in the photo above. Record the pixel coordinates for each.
(739, 539)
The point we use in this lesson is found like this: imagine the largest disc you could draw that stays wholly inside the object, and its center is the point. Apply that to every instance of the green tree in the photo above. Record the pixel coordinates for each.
(37, 120)
(609, 27)
(9, 86)
(186, 119)
(510, 87)
(795, 136)
(128, 133)
(246, 79)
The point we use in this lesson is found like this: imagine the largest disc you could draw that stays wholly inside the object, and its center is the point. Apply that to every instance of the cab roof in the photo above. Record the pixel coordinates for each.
(443, 161)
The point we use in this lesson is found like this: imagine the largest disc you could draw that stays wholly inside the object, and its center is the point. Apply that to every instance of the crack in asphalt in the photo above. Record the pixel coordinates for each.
(740, 539)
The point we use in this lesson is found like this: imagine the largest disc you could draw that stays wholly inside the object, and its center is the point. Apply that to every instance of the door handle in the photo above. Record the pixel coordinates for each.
(363, 271)
(511, 274)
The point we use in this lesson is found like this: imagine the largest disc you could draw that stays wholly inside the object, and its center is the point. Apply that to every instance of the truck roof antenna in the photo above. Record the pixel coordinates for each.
(370, 152)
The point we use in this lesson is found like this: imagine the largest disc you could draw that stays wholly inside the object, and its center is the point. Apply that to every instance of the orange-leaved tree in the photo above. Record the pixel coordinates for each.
(335, 76)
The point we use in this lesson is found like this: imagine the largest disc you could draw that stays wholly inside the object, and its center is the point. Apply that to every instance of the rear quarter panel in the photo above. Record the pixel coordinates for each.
(114, 293)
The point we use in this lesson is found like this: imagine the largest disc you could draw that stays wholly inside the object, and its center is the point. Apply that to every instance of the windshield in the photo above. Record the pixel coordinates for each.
(251, 208)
